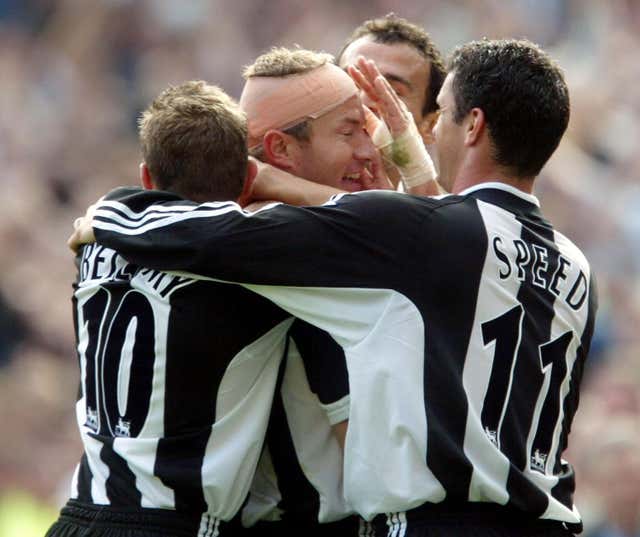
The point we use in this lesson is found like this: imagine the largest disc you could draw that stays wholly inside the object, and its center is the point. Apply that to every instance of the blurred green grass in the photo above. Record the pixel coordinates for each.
(23, 515)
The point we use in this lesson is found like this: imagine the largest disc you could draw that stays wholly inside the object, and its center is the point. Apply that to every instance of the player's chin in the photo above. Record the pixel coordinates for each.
(350, 185)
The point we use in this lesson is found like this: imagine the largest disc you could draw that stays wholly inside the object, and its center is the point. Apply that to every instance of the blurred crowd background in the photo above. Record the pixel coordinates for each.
(75, 74)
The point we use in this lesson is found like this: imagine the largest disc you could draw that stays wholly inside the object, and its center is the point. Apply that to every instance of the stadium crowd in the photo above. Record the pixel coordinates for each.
(75, 76)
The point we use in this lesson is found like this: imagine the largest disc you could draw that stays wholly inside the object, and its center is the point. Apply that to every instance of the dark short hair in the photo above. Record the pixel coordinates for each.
(523, 95)
(194, 142)
(392, 29)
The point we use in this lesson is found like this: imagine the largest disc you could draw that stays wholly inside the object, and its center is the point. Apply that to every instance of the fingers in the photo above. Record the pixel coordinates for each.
(363, 82)
(388, 94)
(82, 229)
(375, 176)
(382, 88)
(368, 68)
(371, 121)
(364, 77)
(73, 241)
(391, 108)
(368, 78)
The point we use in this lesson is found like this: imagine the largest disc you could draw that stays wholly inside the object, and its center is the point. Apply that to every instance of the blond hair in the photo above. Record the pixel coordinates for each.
(281, 61)
(194, 142)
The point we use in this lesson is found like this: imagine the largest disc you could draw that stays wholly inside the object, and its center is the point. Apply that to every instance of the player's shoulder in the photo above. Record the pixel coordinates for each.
(136, 196)
(391, 198)
(394, 213)
(122, 192)
(139, 199)
(570, 250)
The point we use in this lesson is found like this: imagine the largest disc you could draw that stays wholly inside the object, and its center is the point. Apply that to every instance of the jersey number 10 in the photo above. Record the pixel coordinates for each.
(118, 339)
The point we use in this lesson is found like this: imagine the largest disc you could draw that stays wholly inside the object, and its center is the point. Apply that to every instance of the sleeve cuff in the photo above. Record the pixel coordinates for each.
(338, 410)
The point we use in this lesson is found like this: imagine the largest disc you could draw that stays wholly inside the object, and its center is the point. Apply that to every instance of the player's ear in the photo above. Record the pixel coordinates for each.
(280, 149)
(474, 126)
(252, 173)
(145, 177)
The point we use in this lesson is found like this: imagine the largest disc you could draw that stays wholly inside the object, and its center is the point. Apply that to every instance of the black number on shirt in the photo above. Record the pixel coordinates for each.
(506, 331)
(120, 355)
(554, 365)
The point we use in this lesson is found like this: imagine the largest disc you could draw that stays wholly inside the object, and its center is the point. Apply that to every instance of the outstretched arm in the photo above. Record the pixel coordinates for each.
(272, 184)
(336, 266)
(340, 243)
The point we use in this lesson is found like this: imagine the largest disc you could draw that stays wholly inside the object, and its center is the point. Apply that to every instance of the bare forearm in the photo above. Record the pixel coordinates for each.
(430, 188)
(340, 431)
(277, 185)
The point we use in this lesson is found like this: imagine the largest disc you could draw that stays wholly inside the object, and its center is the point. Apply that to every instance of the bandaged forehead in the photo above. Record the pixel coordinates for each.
(282, 102)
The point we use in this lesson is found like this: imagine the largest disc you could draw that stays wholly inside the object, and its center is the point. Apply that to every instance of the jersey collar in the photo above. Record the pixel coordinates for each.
(501, 186)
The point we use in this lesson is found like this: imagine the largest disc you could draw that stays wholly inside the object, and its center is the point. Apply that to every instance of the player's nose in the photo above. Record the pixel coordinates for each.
(364, 150)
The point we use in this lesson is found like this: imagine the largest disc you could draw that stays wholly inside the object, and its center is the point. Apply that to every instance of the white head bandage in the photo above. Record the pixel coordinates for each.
(282, 102)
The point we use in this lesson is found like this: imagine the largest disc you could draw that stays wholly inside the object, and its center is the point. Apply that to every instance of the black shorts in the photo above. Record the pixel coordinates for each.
(87, 520)
(468, 520)
(348, 527)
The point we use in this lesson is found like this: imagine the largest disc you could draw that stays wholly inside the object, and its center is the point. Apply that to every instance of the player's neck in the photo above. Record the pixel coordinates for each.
(478, 174)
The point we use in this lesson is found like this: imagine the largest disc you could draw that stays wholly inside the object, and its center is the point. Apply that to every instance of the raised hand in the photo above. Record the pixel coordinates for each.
(400, 142)
(393, 111)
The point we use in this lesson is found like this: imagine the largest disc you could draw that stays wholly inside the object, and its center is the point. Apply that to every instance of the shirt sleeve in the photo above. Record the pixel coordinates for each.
(337, 411)
(334, 265)
(279, 245)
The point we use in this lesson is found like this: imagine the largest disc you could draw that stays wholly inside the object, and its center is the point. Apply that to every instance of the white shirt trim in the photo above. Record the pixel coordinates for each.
(501, 186)
(338, 410)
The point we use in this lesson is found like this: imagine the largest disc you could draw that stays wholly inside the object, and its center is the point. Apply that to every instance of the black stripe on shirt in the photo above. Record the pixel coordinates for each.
(84, 480)
(324, 362)
(446, 308)
(564, 489)
(538, 306)
(300, 501)
(209, 324)
(121, 483)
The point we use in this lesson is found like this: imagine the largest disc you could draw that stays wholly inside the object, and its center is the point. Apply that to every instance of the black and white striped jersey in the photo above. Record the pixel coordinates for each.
(177, 380)
(465, 321)
(299, 476)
